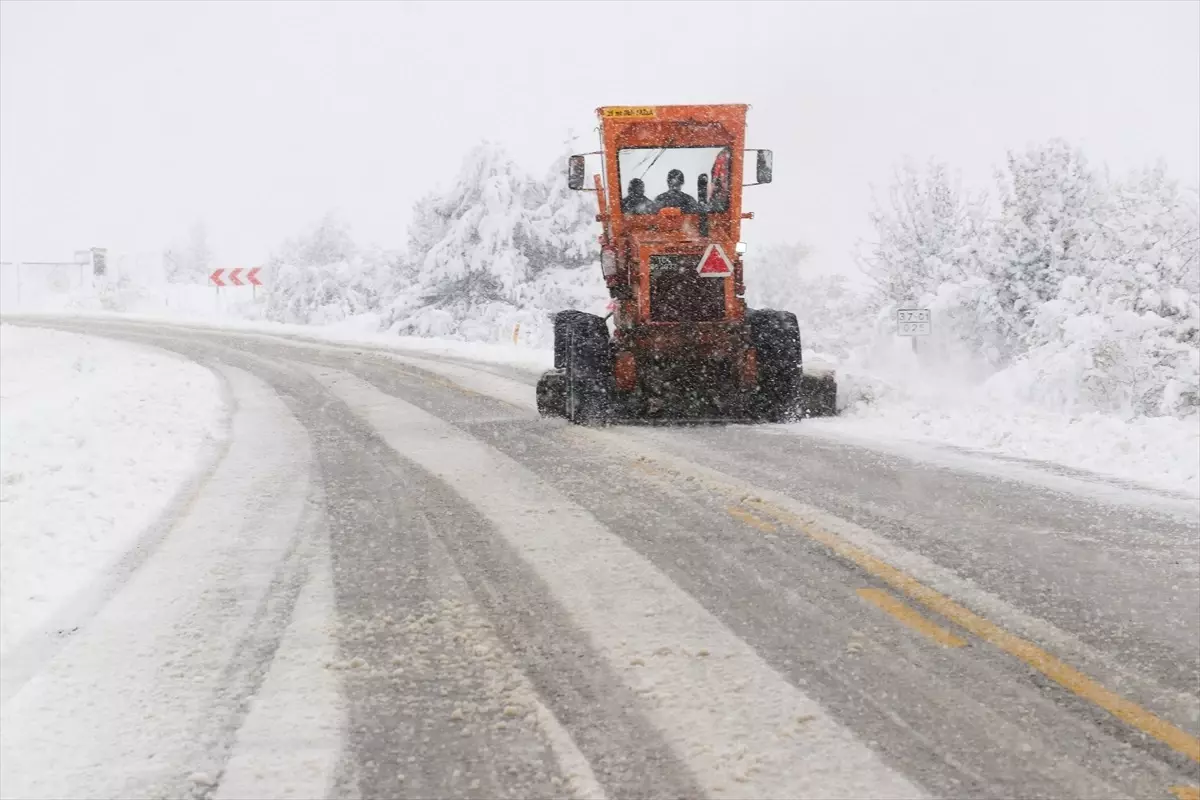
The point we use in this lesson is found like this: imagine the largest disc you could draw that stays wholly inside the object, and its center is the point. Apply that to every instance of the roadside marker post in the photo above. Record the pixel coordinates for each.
(914, 323)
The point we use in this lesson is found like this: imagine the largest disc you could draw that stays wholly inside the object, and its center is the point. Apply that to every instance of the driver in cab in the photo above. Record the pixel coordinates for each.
(636, 201)
(675, 197)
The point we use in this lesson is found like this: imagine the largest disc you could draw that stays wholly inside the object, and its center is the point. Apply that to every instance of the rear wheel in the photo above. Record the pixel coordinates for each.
(583, 353)
(775, 336)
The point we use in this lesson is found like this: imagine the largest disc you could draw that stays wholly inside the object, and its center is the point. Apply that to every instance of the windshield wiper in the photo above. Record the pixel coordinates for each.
(657, 157)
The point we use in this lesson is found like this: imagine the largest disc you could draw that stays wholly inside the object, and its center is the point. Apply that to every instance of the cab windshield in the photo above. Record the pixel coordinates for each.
(692, 179)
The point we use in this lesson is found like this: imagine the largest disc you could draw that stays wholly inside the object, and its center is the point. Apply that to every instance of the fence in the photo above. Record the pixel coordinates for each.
(34, 284)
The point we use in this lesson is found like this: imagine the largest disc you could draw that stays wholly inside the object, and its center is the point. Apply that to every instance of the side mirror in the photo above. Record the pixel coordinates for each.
(764, 166)
(576, 171)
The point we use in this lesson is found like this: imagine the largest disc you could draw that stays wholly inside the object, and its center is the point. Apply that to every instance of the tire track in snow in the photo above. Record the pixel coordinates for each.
(116, 713)
(763, 738)
(24, 659)
(434, 705)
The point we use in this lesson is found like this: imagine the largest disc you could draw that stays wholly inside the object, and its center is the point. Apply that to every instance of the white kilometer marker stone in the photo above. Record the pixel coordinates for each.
(742, 729)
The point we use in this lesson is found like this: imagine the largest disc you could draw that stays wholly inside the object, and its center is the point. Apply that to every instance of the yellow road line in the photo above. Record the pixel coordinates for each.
(1057, 670)
(748, 518)
(431, 377)
(1186, 792)
(910, 617)
(1054, 668)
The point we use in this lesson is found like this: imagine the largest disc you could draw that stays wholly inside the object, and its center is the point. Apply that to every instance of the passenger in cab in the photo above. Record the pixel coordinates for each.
(636, 201)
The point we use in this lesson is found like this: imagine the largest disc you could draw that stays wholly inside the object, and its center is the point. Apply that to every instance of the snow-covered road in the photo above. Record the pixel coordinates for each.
(397, 581)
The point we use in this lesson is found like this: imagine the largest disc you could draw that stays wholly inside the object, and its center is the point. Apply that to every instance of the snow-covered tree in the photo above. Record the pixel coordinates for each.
(1082, 290)
(190, 262)
(930, 233)
(931, 249)
(491, 247)
(479, 256)
(564, 233)
(1051, 202)
(1121, 330)
(328, 242)
(322, 277)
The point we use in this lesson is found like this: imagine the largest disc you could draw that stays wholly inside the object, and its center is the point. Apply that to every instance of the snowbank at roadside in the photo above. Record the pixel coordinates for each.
(910, 399)
(96, 437)
(362, 329)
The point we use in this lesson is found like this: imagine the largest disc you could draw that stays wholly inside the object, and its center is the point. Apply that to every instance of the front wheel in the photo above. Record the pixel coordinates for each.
(775, 336)
(552, 394)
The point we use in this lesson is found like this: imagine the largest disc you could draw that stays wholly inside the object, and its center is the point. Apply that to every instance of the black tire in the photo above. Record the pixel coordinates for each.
(564, 322)
(581, 342)
(552, 394)
(775, 336)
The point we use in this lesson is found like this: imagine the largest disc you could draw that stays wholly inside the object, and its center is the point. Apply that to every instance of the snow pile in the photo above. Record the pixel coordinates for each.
(892, 394)
(96, 437)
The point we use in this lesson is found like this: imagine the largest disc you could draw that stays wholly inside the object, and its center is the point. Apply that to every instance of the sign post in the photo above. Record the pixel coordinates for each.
(84, 259)
(100, 262)
(252, 277)
(914, 323)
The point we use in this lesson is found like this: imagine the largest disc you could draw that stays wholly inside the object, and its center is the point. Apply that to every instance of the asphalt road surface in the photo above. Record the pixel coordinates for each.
(395, 580)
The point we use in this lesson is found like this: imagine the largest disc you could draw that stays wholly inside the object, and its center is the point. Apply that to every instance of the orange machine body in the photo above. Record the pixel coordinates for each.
(647, 345)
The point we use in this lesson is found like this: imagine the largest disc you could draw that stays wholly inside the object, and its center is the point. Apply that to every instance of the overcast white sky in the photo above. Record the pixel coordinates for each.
(121, 124)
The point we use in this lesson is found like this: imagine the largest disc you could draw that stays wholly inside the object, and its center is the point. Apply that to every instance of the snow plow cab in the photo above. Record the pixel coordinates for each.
(683, 344)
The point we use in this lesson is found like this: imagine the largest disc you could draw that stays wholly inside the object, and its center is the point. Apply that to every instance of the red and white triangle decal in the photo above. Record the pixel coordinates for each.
(714, 263)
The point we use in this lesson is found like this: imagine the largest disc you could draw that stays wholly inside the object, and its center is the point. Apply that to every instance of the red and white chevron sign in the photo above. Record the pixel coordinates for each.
(235, 276)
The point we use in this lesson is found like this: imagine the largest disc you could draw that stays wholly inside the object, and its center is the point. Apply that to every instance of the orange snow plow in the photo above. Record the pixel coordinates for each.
(683, 344)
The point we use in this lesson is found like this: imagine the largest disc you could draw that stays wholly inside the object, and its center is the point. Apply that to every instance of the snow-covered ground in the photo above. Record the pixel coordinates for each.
(96, 438)
(1159, 452)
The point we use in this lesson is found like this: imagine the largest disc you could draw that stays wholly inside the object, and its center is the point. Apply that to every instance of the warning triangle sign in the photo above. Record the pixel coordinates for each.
(714, 263)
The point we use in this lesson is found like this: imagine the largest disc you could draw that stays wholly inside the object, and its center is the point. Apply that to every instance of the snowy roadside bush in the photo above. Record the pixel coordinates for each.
(498, 249)
(1078, 294)
(322, 277)
(931, 252)
(1108, 310)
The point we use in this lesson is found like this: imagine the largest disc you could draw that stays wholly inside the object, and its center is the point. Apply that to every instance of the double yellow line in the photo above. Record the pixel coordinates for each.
(1052, 667)
(751, 510)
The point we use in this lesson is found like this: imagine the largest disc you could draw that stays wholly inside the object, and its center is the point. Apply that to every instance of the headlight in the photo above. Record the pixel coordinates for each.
(608, 263)
(740, 248)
